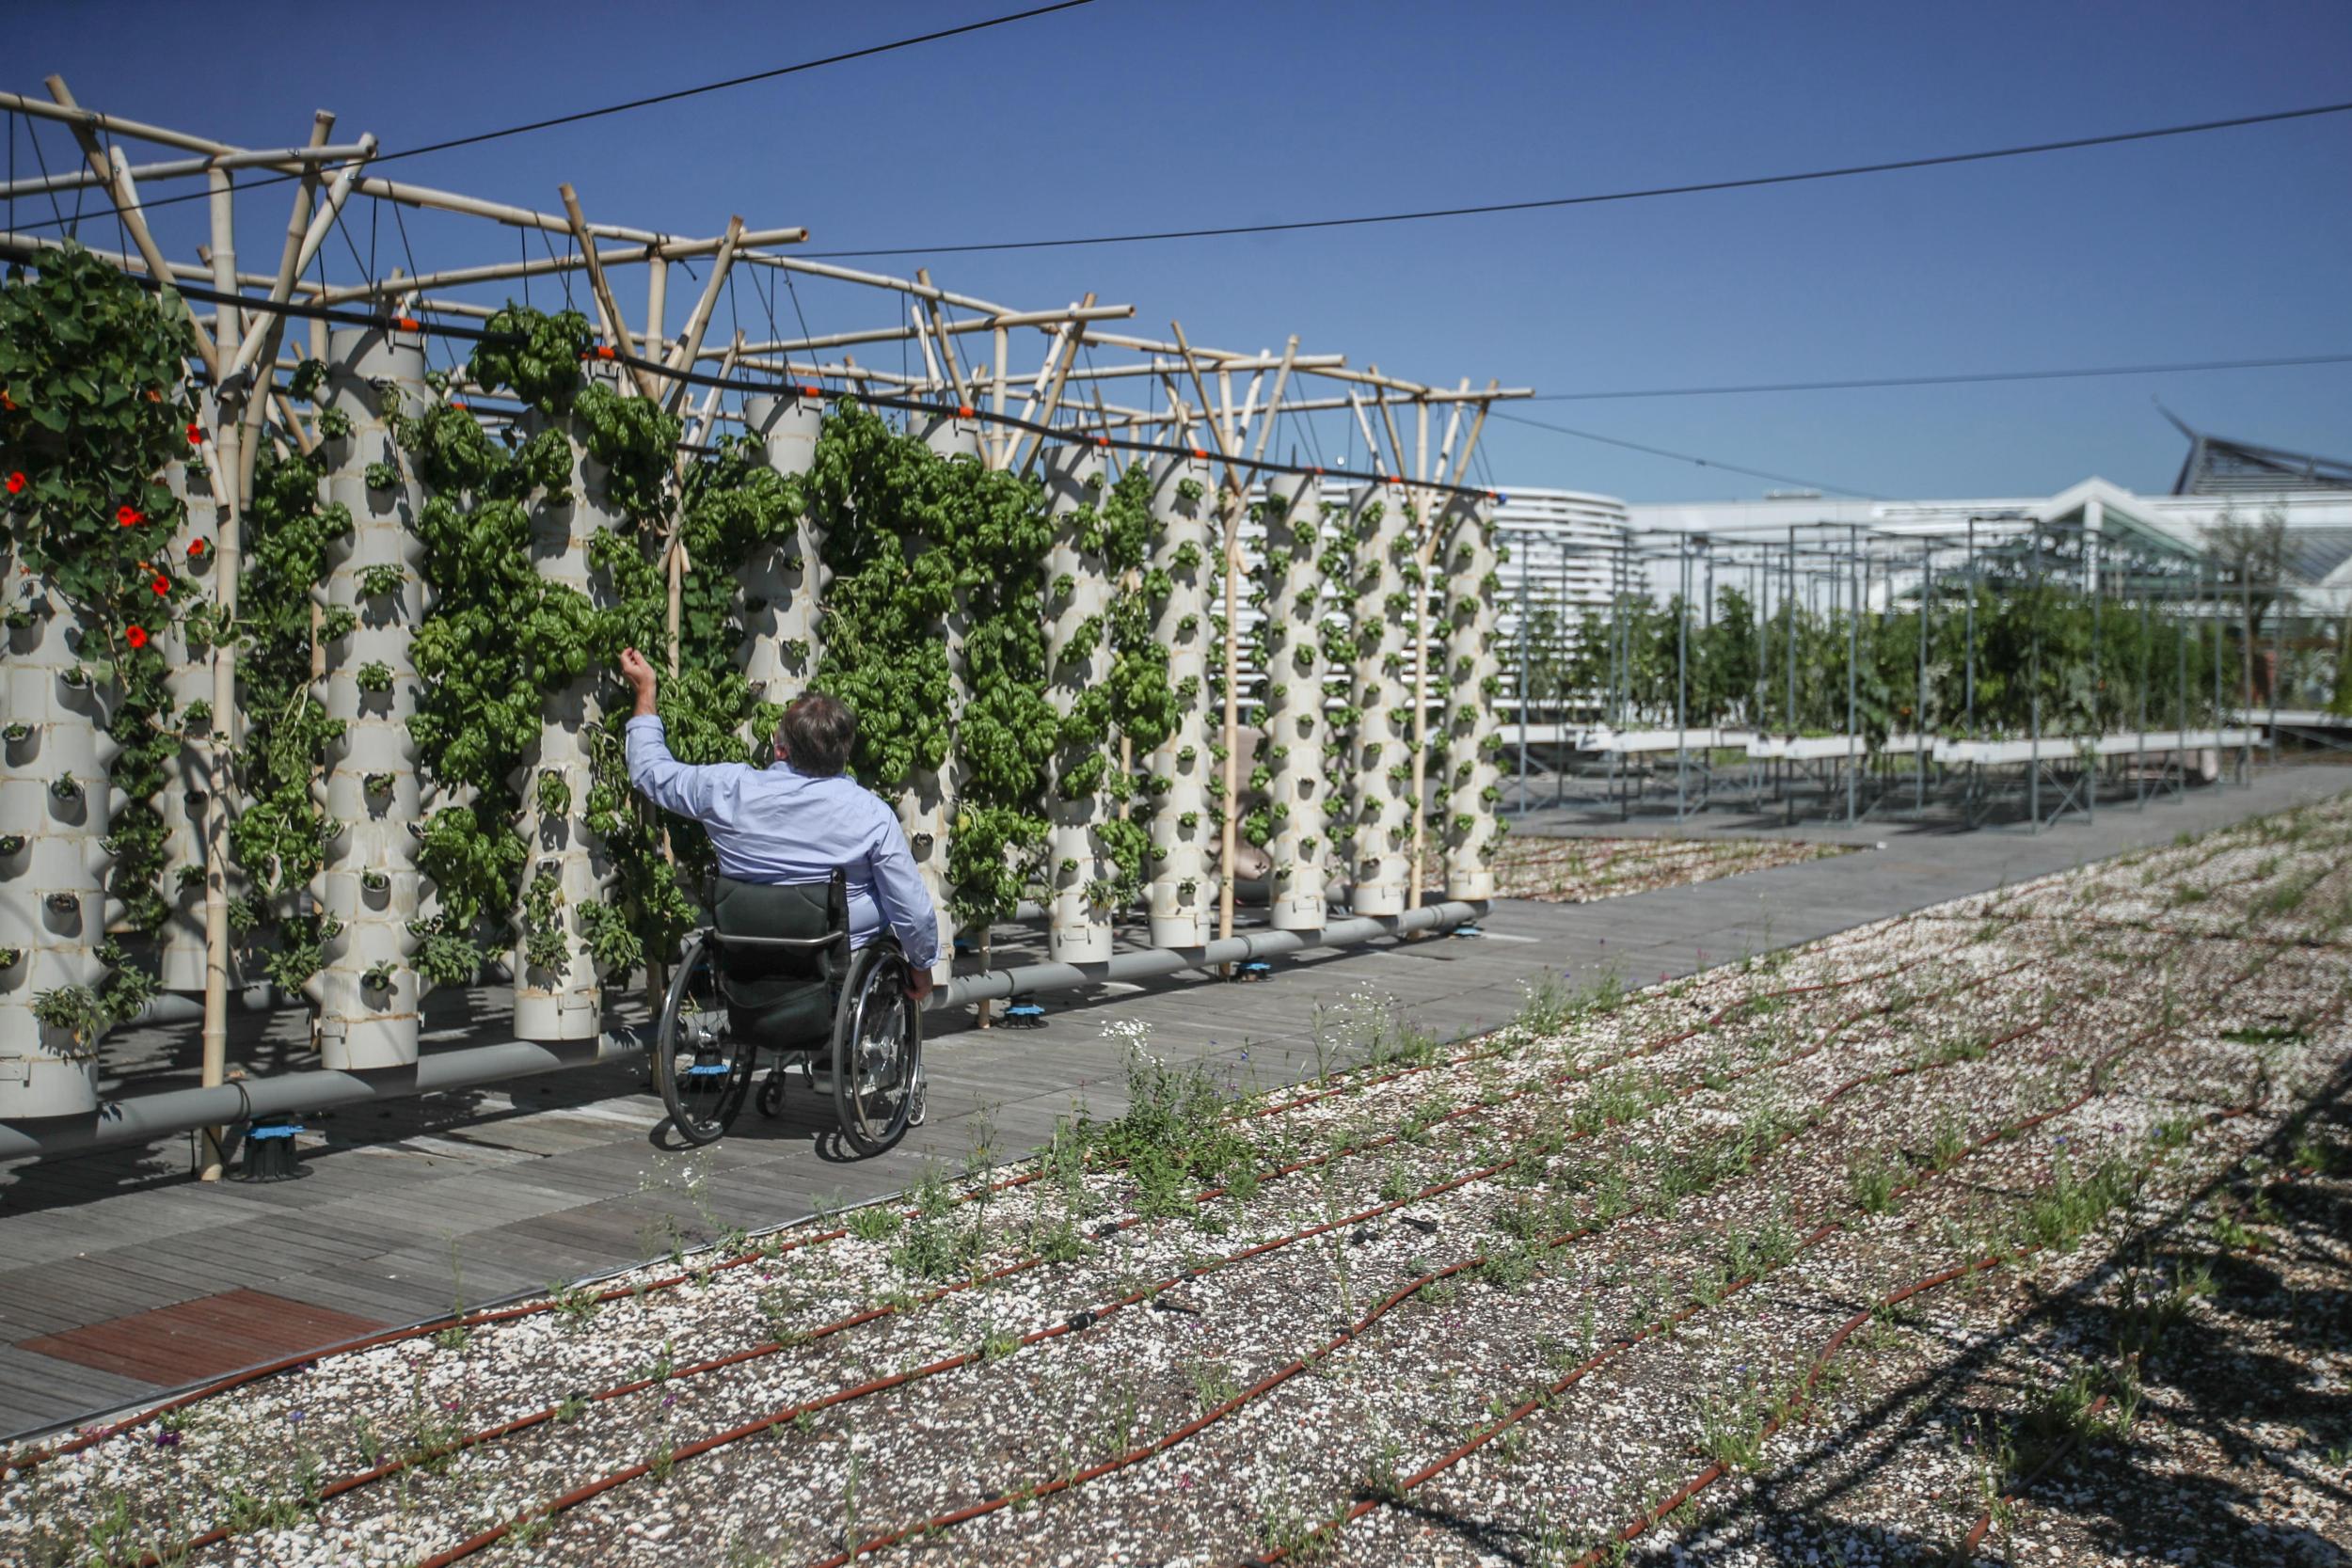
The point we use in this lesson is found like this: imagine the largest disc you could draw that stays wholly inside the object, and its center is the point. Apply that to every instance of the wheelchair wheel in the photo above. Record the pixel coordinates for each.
(877, 1052)
(704, 1070)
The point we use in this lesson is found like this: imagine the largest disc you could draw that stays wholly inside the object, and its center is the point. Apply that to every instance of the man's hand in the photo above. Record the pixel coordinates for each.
(640, 676)
(920, 983)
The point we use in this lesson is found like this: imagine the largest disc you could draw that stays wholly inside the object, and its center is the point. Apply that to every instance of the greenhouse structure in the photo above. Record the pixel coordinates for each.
(2032, 661)
(319, 572)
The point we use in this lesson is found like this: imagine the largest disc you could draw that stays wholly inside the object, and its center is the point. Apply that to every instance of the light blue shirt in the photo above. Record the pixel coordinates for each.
(780, 824)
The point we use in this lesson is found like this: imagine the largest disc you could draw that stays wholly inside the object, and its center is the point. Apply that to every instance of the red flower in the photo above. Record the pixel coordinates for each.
(129, 516)
(163, 587)
(196, 549)
(196, 434)
(16, 483)
(136, 636)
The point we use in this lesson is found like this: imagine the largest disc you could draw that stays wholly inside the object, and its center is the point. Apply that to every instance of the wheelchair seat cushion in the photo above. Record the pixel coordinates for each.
(780, 998)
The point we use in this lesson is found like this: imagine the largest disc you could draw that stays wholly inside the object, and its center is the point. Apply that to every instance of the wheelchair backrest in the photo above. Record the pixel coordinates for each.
(756, 976)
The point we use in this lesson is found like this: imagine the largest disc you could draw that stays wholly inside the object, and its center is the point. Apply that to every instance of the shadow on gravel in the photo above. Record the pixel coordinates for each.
(2203, 1379)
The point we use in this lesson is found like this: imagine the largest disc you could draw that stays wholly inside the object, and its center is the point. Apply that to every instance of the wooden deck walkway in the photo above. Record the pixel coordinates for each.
(404, 1212)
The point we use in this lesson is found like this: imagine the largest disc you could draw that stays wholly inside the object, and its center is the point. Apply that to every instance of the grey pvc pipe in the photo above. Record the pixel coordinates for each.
(145, 1117)
(1030, 978)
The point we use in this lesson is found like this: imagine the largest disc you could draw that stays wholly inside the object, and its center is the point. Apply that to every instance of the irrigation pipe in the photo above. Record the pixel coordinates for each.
(143, 1119)
(533, 1308)
(539, 1417)
(1815, 1238)
(1386, 1304)
(1079, 1321)
(1086, 1319)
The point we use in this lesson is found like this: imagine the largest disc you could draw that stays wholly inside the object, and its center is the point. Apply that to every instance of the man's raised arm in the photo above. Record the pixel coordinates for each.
(906, 903)
(660, 777)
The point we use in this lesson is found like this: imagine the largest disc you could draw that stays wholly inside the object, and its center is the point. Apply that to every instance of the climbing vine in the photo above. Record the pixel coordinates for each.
(92, 410)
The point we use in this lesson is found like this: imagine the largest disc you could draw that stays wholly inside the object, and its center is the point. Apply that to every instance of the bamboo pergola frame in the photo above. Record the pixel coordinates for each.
(1003, 383)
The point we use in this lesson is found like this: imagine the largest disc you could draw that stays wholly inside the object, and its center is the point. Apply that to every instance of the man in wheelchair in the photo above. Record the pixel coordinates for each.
(824, 934)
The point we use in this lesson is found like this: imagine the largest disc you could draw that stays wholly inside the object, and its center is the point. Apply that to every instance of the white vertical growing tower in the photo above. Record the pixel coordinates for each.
(1296, 786)
(781, 582)
(54, 808)
(1472, 670)
(366, 992)
(557, 991)
(1180, 904)
(180, 957)
(1077, 662)
(1384, 815)
(923, 811)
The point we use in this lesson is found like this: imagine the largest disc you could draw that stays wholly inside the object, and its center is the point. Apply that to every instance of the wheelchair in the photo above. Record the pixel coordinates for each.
(773, 972)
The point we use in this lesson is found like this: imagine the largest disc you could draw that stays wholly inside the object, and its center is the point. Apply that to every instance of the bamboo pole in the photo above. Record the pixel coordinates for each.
(302, 244)
(116, 177)
(997, 323)
(1033, 445)
(1235, 497)
(657, 305)
(303, 236)
(228, 551)
(1426, 527)
(690, 344)
(616, 329)
(179, 169)
(405, 193)
(946, 348)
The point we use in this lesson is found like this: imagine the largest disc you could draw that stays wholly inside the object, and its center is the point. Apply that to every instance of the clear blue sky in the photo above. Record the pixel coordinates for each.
(1144, 114)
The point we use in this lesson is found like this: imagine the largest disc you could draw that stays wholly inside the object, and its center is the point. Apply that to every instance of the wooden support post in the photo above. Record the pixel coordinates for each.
(116, 177)
(1002, 345)
(690, 345)
(1053, 394)
(1235, 498)
(615, 327)
(258, 351)
(946, 344)
(227, 557)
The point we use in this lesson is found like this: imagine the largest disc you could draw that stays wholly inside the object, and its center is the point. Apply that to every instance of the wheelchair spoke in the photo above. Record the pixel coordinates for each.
(703, 1069)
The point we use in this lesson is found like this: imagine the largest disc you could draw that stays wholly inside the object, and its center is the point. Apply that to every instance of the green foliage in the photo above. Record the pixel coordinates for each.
(2041, 647)
(91, 366)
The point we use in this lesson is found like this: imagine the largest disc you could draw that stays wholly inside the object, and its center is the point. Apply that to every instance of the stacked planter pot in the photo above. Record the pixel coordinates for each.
(782, 583)
(1080, 928)
(1293, 700)
(56, 805)
(923, 811)
(1382, 759)
(1181, 903)
(180, 957)
(1472, 669)
(366, 991)
(564, 1000)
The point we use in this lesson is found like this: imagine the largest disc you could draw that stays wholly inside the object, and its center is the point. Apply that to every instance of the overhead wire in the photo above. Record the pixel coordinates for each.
(1696, 187)
(1962, 379)
(477, 137)
(1683, 456)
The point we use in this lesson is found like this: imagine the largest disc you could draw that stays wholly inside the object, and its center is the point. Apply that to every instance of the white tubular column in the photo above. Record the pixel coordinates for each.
(923, 811)
(1080, 929)
(781, 583)
(1182, 907)
(55, 804)
(1472, 670)
(1384, 823)
(561, 999)
(188, 776)
(1292, 699)
(366, 992)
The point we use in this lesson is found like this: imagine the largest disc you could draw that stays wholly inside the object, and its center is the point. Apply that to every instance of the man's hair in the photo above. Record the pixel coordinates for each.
(816, 734)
